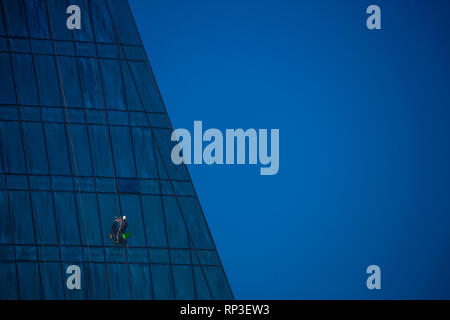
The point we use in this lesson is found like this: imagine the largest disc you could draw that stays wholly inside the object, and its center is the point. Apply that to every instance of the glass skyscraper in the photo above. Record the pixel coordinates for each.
(85, 137)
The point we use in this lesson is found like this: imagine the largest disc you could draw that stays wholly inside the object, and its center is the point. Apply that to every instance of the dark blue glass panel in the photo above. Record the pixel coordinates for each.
(47, 81)
(11, 147)
(115, 254)
(123, 152)
(131, 208)
(196, 222)
(33, 139)
(120, 287)
(59, 17)
(27, 93)
(66, 218)
(70, 82)
(141, 282)
(180, 256)
(26, 253)
(7, 94)
(71, 254)
(36, 11)
(162, 282)
(91, 233)
(144, 151)
(52, 115)
(217, 283)
(58, 155)
(101, 22)
(101, 152)
(132, 96)
(113, 84)
(184, 282)
(52, 281)
(91, 86)
(14, 12)
(48, 253)
(159, 255)
(9, 113)
(203, 292)
(44, 218)
(5, 225)
(183, 188)
(81, 155)
(22, 219)
(176, 229)
(165, 147)
(96, 282)
(128, 185)
(93, 254)
(11, 151)
(137, 255)
(154, 221)
(123, 22)
(8, 279)
(146, 86)
(30, 285)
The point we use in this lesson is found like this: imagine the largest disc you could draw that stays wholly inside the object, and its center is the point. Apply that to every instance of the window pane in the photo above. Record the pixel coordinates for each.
(25, 81)
(57, 149)
(52, 281)
(113, 84)
(217, 283)
(144, 152)
(147, 87)
(6, 82)
(30, 286)
(123, 21)
(123, 152)
(132, 96)
(120, 287)
(8, 279)
(162, 282)
(141, 282)
(101, 21)
(154, 221)
(22, 218)
(70, 81)
(81, 155)
(5, 226)
(196, 223)
(184, 282)
(101, 152)
(89, 221)
(12, 151)
(200, 283)
(44, 218)
(35, 148)
(66, 217)
(91, 83)
(14, 13)
(96, 285)
(48, 84)
(36, 11)
(176, 228)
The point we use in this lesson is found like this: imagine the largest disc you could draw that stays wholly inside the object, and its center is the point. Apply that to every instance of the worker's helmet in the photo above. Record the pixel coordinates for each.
(124, 217)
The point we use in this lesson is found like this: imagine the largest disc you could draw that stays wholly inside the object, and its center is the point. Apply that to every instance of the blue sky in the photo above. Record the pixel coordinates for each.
(364, 151)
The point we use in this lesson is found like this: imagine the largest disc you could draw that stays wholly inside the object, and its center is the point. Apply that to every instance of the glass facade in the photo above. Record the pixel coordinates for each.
(85, 137)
